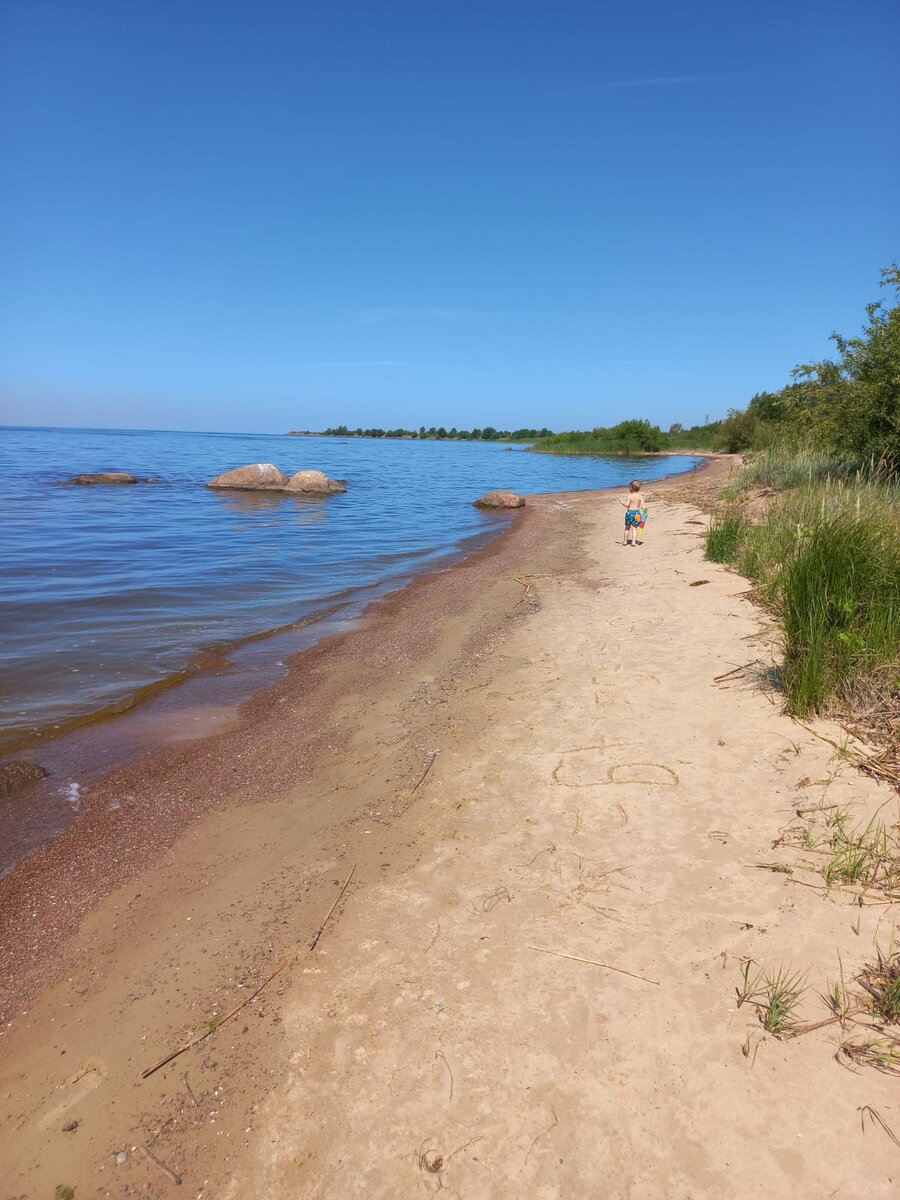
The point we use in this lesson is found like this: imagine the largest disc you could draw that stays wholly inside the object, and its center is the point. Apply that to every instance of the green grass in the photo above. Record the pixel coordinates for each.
(826, 557)
(726, 535)
(774, 994)
(784, 466)
(587, 443)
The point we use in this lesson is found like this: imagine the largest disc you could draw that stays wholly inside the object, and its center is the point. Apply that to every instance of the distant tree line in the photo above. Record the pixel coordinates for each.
(439, 433)
(848, 405)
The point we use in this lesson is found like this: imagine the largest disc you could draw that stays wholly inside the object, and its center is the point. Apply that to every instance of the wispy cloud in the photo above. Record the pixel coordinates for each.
(609, 85)
(378, 316)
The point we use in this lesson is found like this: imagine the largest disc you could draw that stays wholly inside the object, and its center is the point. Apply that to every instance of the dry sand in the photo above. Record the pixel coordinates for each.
(595, 792)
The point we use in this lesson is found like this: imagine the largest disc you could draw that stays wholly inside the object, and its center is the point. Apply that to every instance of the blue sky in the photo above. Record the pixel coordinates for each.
(262, 216)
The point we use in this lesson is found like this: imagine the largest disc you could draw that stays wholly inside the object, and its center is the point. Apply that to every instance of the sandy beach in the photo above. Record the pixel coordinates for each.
(549, 781)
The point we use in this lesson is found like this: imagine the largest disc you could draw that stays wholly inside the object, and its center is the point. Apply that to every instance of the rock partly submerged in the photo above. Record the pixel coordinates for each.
(314, 483)
(17, 775)
(115, 478)
(255, 477)
(500, 500)
(265, 477)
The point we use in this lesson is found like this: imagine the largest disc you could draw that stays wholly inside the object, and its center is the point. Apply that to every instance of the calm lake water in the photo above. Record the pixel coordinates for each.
(107, 589)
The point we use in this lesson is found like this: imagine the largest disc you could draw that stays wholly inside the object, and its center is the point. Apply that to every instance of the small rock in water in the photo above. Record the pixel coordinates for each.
(115, 477)
(500, 500)
(17, 775)
(204, 661)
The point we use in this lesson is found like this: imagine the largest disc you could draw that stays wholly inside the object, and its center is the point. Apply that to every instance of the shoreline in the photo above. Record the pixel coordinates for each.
(83, 748)
(470, 753)
(31, 739)
(120, 808)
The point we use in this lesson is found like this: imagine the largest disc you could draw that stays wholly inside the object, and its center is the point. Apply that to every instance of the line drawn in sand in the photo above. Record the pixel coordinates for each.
(590, 766)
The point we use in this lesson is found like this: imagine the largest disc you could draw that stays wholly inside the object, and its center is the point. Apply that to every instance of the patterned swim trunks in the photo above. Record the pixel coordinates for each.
(632, 518)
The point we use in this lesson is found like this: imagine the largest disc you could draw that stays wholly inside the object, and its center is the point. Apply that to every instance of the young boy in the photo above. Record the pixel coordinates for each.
(634, 508)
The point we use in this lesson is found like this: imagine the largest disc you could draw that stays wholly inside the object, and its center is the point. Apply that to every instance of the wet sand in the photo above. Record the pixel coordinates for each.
(191, 874)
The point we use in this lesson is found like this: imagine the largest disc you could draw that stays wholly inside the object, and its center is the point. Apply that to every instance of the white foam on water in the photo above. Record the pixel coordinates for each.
(72, 793)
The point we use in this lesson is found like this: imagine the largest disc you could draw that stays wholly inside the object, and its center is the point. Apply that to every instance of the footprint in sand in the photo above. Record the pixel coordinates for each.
(596, 766)
(72, 1092)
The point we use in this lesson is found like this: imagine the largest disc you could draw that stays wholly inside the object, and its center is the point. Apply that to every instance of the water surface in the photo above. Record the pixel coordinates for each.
(108, 589)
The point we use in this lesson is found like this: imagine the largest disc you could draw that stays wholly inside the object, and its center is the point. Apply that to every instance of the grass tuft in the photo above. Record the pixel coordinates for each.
(726, 534)
(775, 995)
(780, 996)
(881, 982)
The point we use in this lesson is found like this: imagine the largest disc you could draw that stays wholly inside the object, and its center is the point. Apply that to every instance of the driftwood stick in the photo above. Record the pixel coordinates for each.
(593, 962)
(801, 1029)
(161, 1165)
(424, 774)
(201, 1037)
(529, 588)
(338, 899)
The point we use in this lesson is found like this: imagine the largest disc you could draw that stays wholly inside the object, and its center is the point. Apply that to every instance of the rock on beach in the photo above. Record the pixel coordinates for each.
(501, 500)
(255, 477)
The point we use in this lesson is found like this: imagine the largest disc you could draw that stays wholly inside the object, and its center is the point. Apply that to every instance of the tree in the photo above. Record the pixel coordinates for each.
(642, 434)
(853, 405)
(739, 430)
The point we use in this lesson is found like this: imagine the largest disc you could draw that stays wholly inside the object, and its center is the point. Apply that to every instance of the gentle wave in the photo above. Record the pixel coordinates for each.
(106, 590)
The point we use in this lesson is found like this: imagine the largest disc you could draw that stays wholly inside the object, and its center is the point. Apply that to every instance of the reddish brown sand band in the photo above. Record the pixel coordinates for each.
(284, 736)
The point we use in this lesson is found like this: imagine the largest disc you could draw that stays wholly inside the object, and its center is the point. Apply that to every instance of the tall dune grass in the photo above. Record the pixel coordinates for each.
(826, 558)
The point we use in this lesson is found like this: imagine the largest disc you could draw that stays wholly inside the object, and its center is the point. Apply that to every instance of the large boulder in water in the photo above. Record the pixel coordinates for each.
(255, 477)
(17, 775)
(314, 483)
(500, 500)
(114, 477)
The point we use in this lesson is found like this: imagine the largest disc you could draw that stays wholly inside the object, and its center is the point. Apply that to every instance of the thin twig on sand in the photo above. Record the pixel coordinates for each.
(737, 670)
(291, 958)
(594, 963)
(167, 1171)
(544, 1134)
(424, 774)
(529, 588)
(868, 1111)
(440, 1054)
